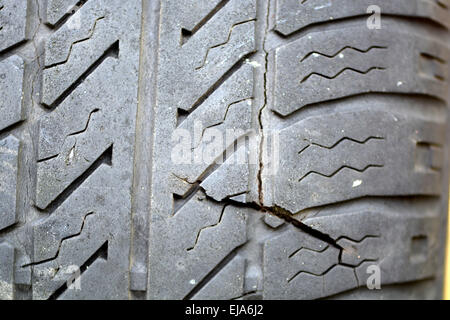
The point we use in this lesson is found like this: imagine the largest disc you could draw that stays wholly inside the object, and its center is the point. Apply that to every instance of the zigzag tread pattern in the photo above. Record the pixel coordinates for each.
(85, 144)
(328, 166)
(218, 97)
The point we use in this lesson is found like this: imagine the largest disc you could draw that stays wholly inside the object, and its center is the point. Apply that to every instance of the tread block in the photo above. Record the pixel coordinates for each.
(208, 54)
(380, 228)
(370, 155)
(293, 15)
(59, 45)
(72, 53)
(80, 149)
(227, 284)
(76, 255)
(11, 95)
(295, 269)
(9, 162)
(58, 9)
(13, 23)
(319, 67)
(273, 221)
(283, 265)
(200, 12)
(230, 179)
(365, 249)
(227, 110)
(209, 234)
(90, 228)
(94, 287)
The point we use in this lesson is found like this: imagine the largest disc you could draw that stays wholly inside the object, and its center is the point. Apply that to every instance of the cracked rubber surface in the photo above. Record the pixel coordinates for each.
(338, 160)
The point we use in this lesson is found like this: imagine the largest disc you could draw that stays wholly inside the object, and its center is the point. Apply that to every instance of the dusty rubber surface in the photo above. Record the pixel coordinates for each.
(314, 149)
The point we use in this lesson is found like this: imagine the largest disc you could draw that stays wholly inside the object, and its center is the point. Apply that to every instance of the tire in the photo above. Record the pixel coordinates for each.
(223, 149)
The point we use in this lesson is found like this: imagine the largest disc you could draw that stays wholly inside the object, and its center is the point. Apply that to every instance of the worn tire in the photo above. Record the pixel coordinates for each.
(329, 165)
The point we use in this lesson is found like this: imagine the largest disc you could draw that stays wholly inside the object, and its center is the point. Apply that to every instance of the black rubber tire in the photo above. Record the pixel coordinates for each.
(313, 139)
